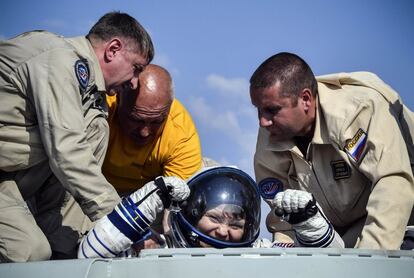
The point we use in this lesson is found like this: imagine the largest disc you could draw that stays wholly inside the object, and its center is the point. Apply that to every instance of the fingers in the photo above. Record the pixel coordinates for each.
(291, 201)
(179, 188)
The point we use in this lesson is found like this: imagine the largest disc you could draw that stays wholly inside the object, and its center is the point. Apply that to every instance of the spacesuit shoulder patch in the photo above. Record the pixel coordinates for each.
(269, 187)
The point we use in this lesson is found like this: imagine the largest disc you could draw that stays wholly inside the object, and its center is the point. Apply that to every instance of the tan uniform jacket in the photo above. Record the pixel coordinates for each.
(357, 164)
(41, 115)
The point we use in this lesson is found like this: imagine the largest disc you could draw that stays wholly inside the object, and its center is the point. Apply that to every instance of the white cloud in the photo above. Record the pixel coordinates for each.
(235, 87)
(223, 161)
(229, 123)
(163, 60)
(2, 37)
(246, 163)
(236, 118)
(225, 121)
(247, 110)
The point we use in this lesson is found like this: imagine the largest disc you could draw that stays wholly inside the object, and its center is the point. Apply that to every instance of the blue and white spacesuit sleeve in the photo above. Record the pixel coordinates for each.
(130, 220)
(312, 228)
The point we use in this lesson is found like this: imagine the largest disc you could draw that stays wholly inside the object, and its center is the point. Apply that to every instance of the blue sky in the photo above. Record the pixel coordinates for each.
(211, 48)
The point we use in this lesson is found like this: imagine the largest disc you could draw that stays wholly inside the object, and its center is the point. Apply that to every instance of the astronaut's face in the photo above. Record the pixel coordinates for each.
(224, 222)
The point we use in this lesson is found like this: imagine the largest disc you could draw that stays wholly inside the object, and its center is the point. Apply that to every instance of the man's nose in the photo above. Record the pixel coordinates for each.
(134, 83)
(145, 131)
(264, 122)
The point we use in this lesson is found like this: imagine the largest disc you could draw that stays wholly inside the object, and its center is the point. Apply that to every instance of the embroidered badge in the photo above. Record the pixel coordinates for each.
(356, 145)
(269, 187)
(82, 73)
(340, 169)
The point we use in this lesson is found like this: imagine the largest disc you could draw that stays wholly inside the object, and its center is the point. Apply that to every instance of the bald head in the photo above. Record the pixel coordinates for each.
(143, 112)
(155, 88)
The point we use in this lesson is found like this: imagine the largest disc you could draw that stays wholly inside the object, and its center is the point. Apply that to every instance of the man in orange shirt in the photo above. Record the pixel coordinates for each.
(151, 134)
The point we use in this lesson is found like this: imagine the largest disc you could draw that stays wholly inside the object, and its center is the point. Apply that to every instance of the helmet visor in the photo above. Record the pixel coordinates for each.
(223, 209)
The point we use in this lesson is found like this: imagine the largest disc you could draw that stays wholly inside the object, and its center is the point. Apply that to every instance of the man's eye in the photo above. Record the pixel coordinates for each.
(158, 122)
(268, 112)
(138, 68)
(273, 110)
(135, 120)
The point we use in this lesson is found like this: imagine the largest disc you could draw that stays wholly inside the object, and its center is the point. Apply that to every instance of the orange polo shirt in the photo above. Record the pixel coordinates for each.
(175, 152)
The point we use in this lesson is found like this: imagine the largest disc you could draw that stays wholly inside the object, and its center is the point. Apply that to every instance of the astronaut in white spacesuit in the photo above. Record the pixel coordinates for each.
(220, 208)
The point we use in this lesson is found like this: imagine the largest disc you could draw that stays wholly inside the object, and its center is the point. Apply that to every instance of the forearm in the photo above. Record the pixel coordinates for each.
(63, 131)
(329, 239)
(131, 219)
(312, 228)
(72, 161)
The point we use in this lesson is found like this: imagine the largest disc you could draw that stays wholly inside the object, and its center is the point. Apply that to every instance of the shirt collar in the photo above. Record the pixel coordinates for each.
(99, 79)
(320, 135)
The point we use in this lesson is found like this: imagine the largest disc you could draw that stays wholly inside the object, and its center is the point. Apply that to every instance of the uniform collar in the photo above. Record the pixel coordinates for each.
(278, 146)
(320, 135)
(332, 79)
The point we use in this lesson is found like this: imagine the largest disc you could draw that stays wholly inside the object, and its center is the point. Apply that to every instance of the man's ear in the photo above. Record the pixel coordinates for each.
(112, 48)
(307, 99)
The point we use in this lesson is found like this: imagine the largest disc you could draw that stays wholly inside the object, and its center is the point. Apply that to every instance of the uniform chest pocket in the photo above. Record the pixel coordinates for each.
(347, 190)
(344, 187)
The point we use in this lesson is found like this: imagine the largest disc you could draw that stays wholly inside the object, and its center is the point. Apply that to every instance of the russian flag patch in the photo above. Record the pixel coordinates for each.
(356, 145)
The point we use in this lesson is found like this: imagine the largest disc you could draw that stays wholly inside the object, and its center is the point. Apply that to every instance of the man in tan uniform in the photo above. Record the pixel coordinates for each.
(53, 129)
(346, 138)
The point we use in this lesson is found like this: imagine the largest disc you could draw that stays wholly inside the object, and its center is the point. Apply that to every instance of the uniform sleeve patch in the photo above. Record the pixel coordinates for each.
(269, 187)
(82, 73)
(356, 145)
